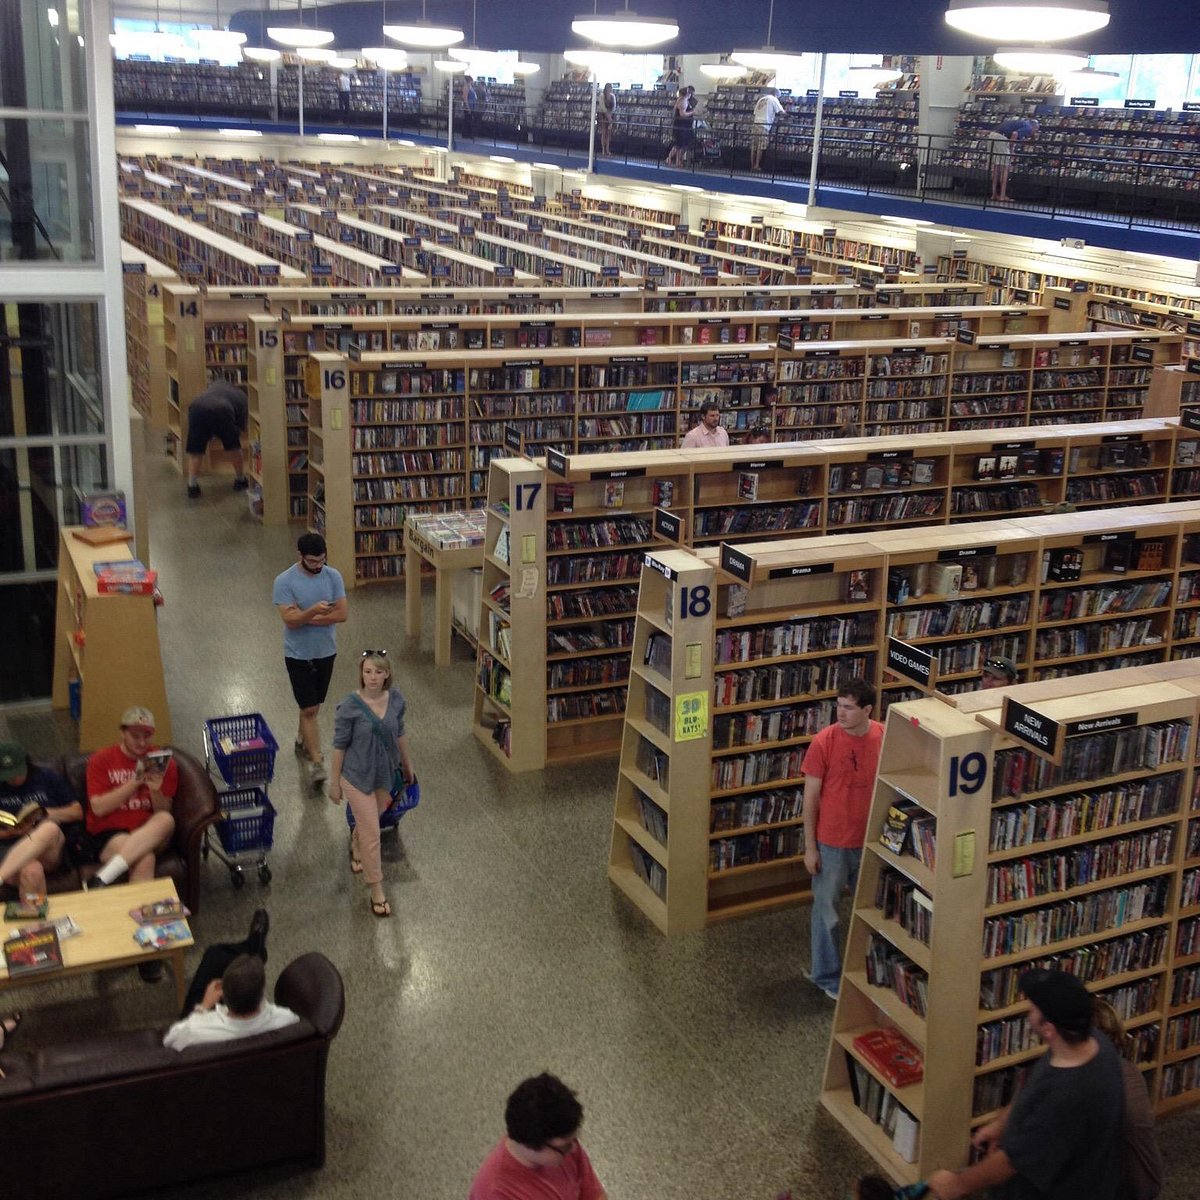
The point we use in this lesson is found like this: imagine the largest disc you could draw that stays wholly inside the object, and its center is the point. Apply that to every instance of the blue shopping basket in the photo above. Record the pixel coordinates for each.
(247, 821)
(404, 802)
(254, 764)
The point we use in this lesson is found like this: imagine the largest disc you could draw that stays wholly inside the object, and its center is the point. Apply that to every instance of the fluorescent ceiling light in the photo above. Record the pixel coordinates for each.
(767, 59)
(405, 142)
(386, 58)
(425, 33)
(152, 43)
(874, 75)
(1033, 61)
(526, 68)
(449, 65)
(156, 129)
(299, 35)
(1050, 20)
(52, 17)
(321, 54)
(548, 166)
(501, 158)
(217, 39)
(338, 137)
(240, 133)
(261, 53)
(625, 28)
(907, 221)
(685, 187)
(344, 62)
(723, 70)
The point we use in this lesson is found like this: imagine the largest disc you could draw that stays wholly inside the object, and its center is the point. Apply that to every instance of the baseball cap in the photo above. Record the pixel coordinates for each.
(1002, 668)
(12, 761)
(138, 718)
(1062, 999)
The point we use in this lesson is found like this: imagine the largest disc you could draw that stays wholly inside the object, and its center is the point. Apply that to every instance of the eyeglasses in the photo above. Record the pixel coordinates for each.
(374, 654)
(997, 664)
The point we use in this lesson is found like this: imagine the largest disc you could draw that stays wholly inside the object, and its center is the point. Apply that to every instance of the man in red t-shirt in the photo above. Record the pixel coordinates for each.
(541, 1158)
(839, 775)
(129, 802)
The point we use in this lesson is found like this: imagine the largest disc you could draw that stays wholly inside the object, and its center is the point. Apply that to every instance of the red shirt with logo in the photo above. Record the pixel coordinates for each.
(111, 767)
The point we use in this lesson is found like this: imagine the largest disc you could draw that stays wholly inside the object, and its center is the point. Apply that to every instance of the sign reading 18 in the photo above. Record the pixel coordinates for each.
(694, 601)
(967, 774)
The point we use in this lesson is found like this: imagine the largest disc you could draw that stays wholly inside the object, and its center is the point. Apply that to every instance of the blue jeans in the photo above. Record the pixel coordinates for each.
(839, 869)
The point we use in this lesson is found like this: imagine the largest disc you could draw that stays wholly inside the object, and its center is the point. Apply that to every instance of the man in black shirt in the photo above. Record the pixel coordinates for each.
(220, 411)
(1061, 1138)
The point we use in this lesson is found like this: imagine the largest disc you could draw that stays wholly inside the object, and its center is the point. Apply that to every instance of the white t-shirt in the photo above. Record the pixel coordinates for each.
(216, 1025)
(766, 109)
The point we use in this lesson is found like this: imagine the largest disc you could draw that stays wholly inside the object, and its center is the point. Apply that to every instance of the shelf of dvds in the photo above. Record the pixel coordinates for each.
(144, 278)
(1084, 798)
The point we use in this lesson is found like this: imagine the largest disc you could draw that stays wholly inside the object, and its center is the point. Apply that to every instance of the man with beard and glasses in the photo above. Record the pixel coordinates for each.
(311, 599)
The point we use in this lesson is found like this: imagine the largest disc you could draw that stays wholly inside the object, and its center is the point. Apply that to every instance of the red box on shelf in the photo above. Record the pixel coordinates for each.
(892, 1055)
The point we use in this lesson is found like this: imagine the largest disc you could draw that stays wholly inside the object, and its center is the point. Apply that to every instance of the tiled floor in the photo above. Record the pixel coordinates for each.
(697, 1059)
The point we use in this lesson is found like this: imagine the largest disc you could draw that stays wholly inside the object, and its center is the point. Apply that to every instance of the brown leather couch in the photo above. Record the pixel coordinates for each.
(119, 1114)
(195, 808)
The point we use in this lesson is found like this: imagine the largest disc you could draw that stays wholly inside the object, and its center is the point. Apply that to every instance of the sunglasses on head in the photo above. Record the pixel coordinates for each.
(374, 653)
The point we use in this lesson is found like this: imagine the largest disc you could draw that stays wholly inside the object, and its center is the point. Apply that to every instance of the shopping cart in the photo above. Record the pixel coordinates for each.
(242, 749)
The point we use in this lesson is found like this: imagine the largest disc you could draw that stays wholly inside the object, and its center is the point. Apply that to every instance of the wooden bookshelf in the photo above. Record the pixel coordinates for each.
(108, 643)
(144, 279)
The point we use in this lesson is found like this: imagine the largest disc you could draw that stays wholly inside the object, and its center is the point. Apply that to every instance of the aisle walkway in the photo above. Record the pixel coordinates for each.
(697, 1059)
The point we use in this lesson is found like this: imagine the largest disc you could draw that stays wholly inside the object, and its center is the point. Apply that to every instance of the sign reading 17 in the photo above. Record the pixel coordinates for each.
(967, 774)
(526, 495)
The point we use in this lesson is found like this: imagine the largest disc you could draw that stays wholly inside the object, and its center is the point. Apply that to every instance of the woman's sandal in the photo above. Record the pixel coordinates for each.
(381, 908)
(8, 1028)
(356, 867)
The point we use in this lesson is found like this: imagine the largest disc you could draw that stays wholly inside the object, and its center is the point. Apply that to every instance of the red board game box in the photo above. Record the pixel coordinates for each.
(892, 1055)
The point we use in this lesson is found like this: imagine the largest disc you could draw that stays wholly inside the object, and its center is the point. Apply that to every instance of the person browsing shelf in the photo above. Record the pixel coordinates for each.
(540, 1158)
(839, 775)
(683, 127)
(1062, 1135)
(369, 748)
(759, 435)
(311, 599)
(606, 115)
(767, 110)
(35, 844)
(220, 411)
(998, 673)
(999, 146)
(708, 431)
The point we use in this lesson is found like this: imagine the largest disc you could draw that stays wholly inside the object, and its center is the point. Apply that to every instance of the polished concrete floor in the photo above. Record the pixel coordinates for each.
(697, 1059)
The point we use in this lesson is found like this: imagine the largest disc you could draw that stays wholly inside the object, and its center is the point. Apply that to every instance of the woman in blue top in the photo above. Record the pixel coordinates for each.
(368, 746)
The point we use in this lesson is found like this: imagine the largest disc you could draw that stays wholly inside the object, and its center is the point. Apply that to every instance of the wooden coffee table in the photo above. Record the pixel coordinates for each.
(107, 937)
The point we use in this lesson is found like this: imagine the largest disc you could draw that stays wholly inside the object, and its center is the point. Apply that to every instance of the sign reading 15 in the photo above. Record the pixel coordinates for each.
(967, 774)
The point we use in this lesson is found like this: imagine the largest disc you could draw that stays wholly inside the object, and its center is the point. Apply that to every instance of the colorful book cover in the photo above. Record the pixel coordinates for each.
(32, 952)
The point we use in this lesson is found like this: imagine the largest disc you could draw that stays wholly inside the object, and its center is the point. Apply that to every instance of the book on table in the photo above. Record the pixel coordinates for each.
(161, 935)
(27, 908)
(159, 911)
(32, 952)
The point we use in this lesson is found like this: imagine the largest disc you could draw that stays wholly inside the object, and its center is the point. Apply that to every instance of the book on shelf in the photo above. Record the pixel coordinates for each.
(614, 493)
(1118, 555)
(129, 577)
(747, 488)
(161, 934)
(896, 827)
(985, 467)
(501, 550)
(158, 911)
(892, 1055)
(32, 952)
(664, 493)
(858, 585)
(945, 579)
(563, 497)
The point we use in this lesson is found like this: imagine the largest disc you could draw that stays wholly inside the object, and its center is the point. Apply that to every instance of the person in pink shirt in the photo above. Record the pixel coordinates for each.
(709, 431)
(541, 1158)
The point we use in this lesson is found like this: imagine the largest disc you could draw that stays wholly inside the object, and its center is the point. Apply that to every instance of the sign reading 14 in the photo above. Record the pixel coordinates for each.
(968, 774)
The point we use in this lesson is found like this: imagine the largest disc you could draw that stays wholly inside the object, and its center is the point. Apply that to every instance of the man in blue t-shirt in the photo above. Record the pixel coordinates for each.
(999, 144)
(35, 845)
(311, 599)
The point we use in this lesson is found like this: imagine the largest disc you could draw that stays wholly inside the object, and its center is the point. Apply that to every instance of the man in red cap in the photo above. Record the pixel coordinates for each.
(130, 787)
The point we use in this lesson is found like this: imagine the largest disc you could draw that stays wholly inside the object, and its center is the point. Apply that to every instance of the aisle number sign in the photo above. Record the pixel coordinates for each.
(691, 716)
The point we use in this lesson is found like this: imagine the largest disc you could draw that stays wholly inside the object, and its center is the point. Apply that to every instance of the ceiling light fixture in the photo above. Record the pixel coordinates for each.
(261, 53)
(343, 62)
(1034, 60)
(317, 54)
(338, 137)
(626, 28)
(449, 65)
(299, 35)
(767, 58)
(218, 40)
(156, 129)
(526, 68)
(1052, 20)
(424, 33)
(386, 58)
(727, 70)
(240, 133)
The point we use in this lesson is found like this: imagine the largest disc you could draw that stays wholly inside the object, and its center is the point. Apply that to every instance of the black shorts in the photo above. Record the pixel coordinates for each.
(310, 679)
(204, 424)
(85, 847)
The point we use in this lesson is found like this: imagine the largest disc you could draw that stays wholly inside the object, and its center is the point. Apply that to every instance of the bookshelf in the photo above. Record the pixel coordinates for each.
(267, 423)
(1103, 803)
(93, 638)
(144, 279)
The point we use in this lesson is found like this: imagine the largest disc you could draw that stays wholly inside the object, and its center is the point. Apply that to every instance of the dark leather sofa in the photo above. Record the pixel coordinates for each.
(195, 808)
(119, 1114)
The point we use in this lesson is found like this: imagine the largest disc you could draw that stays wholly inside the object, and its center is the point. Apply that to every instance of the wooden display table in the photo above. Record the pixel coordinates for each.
(423, 542)
(107, 937)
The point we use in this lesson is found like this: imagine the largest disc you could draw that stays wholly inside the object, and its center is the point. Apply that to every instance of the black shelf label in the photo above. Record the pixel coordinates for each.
(1072, 342)
(742, 357)
(1080, 285)
(1040, 733)
(1189, 418)
(965, 336)
(1085, 101)
(628, 358)
(874, 316)
(800, 572)
(1193, 366)
(1142, 354)
(402, 366)
(556, 461)
(887, 455)
(1098, 539)
(756, 464)
(661, 567)
(512, 439)
(964, 552)
(1125, 720)
(668, 525)
(1062, 302)
(785, 342)
(994, 346)
(909, 663)
(1121, 437)
(625, 473)
(735, 563)
(439, 325)
(1009, 447)
(1139, 103)
(908, 349)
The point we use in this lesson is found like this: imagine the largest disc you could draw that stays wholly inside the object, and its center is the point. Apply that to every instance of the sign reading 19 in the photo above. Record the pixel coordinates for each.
(967, 774)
